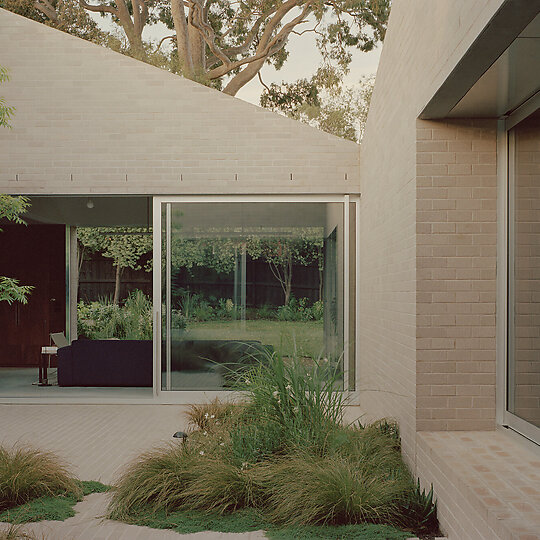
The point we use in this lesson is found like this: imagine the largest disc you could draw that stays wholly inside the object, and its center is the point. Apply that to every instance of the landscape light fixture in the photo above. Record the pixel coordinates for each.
(90, 204)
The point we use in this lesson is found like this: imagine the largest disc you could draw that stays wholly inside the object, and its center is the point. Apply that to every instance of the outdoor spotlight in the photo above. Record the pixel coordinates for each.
(90, 203)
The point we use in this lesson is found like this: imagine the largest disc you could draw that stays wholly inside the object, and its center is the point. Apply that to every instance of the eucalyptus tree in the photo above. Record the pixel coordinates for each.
(222, 40)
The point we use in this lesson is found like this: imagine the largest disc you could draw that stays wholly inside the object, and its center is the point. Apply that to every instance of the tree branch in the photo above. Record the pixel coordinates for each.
(101, 8)
(45, 7)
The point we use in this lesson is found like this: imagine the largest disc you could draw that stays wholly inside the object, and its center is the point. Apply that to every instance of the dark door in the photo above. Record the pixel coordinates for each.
(35, 255)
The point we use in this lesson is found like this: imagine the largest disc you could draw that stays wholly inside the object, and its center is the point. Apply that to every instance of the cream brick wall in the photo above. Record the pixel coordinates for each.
(425, 41)
(89, 120)
(456, 244)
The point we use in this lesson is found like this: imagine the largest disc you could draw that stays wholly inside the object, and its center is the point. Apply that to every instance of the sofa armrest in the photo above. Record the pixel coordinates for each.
(65, 366)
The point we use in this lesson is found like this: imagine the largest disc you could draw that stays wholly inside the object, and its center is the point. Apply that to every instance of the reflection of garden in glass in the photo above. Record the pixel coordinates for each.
(245, 280)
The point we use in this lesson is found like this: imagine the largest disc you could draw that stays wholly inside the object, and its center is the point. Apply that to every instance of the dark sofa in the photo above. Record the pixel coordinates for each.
(129, 362)
(105, 362)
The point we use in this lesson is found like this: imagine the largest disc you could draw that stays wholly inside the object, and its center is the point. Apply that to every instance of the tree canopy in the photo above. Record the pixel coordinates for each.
(221, 43)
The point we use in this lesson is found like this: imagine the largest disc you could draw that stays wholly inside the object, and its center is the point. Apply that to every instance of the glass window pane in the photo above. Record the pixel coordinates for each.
(242, 281)
(524, 321)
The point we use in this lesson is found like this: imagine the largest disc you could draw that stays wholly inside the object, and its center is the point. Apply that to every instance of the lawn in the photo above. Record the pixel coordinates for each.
(288, 338)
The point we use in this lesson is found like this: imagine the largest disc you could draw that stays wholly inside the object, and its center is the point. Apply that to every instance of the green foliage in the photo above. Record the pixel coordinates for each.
(11, 291)
(324, 102)
(105, 319)
(418, 511)
(266, 312)
(298, 310)
(27, 474)
(6, 112)
(50, 508)
(364, 531)
(299, 397)
(16, 532)
(11, 208)
(280, 458)
(124, 245)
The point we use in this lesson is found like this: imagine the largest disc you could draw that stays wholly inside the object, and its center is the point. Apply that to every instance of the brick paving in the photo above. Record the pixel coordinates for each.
(487, 483)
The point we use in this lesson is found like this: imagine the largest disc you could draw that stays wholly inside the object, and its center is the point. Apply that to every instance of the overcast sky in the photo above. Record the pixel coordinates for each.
(303, 61)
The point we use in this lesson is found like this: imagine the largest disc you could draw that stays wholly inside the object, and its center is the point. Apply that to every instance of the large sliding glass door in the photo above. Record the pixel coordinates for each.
(244, 278)
(523, 358)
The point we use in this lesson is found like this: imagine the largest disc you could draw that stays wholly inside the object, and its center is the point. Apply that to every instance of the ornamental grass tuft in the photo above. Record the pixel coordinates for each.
(283, 452)
(27, 473)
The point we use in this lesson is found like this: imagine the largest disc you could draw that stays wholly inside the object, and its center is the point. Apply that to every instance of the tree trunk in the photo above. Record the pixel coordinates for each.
(117, 285)
(321, 276)
(287, 275)
(182, 39)
(242, 78)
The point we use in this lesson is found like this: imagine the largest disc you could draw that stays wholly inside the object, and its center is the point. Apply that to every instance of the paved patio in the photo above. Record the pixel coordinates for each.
(96, 440)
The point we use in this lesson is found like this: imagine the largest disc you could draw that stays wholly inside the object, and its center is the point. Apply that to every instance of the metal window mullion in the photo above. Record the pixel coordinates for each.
(168, 295)
(346, 253)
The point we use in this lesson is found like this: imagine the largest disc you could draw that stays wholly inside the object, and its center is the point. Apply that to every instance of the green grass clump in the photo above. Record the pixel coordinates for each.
(50, 508)
(27, 474)
(282, 457)
(16, 532)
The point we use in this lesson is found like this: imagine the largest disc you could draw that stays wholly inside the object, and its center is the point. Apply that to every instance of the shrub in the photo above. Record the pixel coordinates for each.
(15, 532)
(207, 415)
(298, 310)
(317, 310)
(203, 311)
(307, 489)
(299, 397)
(220, 486)
(27, 474)
(266, 312)
(104, 319)
(283, 452)
(155, 481)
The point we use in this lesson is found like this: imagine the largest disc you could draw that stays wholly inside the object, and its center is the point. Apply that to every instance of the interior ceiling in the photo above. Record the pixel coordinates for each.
(199, 217)
(105, 211)
(122, 211)
(511, 80)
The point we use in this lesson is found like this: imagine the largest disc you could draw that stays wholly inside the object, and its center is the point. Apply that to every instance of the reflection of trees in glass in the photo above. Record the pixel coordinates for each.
(284, 249)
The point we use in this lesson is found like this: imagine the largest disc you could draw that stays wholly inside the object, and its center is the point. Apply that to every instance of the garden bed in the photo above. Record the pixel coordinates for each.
(280, 460)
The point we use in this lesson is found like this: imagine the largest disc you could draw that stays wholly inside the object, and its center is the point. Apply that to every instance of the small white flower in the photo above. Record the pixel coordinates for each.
(201, 453)
(247, 381)
(288, 387)
(205, 433)
(276, 394)
(206, 415)
(221, 444)
(212, 416)
(244, 465)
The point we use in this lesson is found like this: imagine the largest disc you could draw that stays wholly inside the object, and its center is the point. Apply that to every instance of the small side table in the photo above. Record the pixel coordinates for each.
(44, 362)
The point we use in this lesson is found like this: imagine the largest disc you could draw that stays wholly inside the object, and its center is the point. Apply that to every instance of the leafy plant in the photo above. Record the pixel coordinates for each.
(418, 511)
(284, 453)
(11, 291)
(266, 312)
(27, 474)
(105, 319)
(298, 310)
